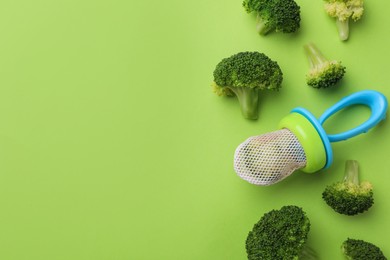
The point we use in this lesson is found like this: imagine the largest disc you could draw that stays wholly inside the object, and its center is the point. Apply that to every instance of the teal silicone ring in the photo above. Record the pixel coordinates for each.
(321, 132)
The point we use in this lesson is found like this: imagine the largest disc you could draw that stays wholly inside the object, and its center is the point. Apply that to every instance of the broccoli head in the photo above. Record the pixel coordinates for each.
(275, 15)
(355, 249)
(349, 197)
(343, 11)
(323, 73)
(280, 234)
(244, 75)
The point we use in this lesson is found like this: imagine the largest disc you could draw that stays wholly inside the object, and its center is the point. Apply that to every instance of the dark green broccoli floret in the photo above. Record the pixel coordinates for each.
(245, 74)
(323, 73)
(343, 10)
(275, 15)
(355, 249)
(349, 197)
(280, 234)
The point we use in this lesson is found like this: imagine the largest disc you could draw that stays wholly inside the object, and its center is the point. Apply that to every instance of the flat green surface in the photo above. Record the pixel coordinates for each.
(113, 146)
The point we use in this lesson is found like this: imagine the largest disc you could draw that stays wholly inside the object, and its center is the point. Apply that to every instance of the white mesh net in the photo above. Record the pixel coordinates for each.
(269, 158)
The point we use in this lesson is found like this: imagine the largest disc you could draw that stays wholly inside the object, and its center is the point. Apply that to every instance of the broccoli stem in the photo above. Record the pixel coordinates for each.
(351, 174)
(343, 28)
(307, 253)
(261, 26)
(249, 100)
(314, 55)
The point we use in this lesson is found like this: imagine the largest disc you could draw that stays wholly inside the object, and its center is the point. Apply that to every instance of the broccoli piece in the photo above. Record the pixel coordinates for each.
(322, 73)
(349, 197)
(343, 10)
(275, 15)
(355, 249)
(244, 75)
(280, 234)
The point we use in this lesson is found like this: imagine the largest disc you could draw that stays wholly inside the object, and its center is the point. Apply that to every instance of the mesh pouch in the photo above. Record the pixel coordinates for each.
(269, 158)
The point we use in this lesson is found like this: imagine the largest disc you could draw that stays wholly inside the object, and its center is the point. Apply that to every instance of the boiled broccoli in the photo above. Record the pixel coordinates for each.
(355, 249)
(280, 234)
(244, 75)
(343, 10)
(349, 197)
(323, 73)
(275, 15)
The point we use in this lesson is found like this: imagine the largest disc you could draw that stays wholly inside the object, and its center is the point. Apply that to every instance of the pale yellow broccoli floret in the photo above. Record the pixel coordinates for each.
(338, 10)
(343, 10)
(356, 6)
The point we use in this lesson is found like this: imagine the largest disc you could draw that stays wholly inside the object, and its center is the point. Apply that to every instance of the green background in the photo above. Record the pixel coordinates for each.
(113, 146)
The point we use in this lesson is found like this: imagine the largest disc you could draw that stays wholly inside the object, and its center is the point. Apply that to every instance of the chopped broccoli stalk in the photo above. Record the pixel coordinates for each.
(275, 15)
(323, 73)
(343, 28)
(249, 99)
(343, 11)
(349, 197)
(245, 75)
(280, 234)
(351, 174)
(263, 26)
(355, 249)
(307, 253)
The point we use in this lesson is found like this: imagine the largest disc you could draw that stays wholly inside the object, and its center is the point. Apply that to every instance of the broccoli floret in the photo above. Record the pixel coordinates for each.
(355, 249)
(280, 234)
(323, 73)
(349, 197)
(244, 75)
(343, 10)
(275, 15)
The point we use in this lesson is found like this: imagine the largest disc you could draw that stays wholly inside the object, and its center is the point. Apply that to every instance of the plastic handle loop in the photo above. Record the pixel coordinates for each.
(374, 100)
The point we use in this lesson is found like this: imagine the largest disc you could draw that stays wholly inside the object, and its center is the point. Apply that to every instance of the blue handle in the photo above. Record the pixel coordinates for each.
(374, 100)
